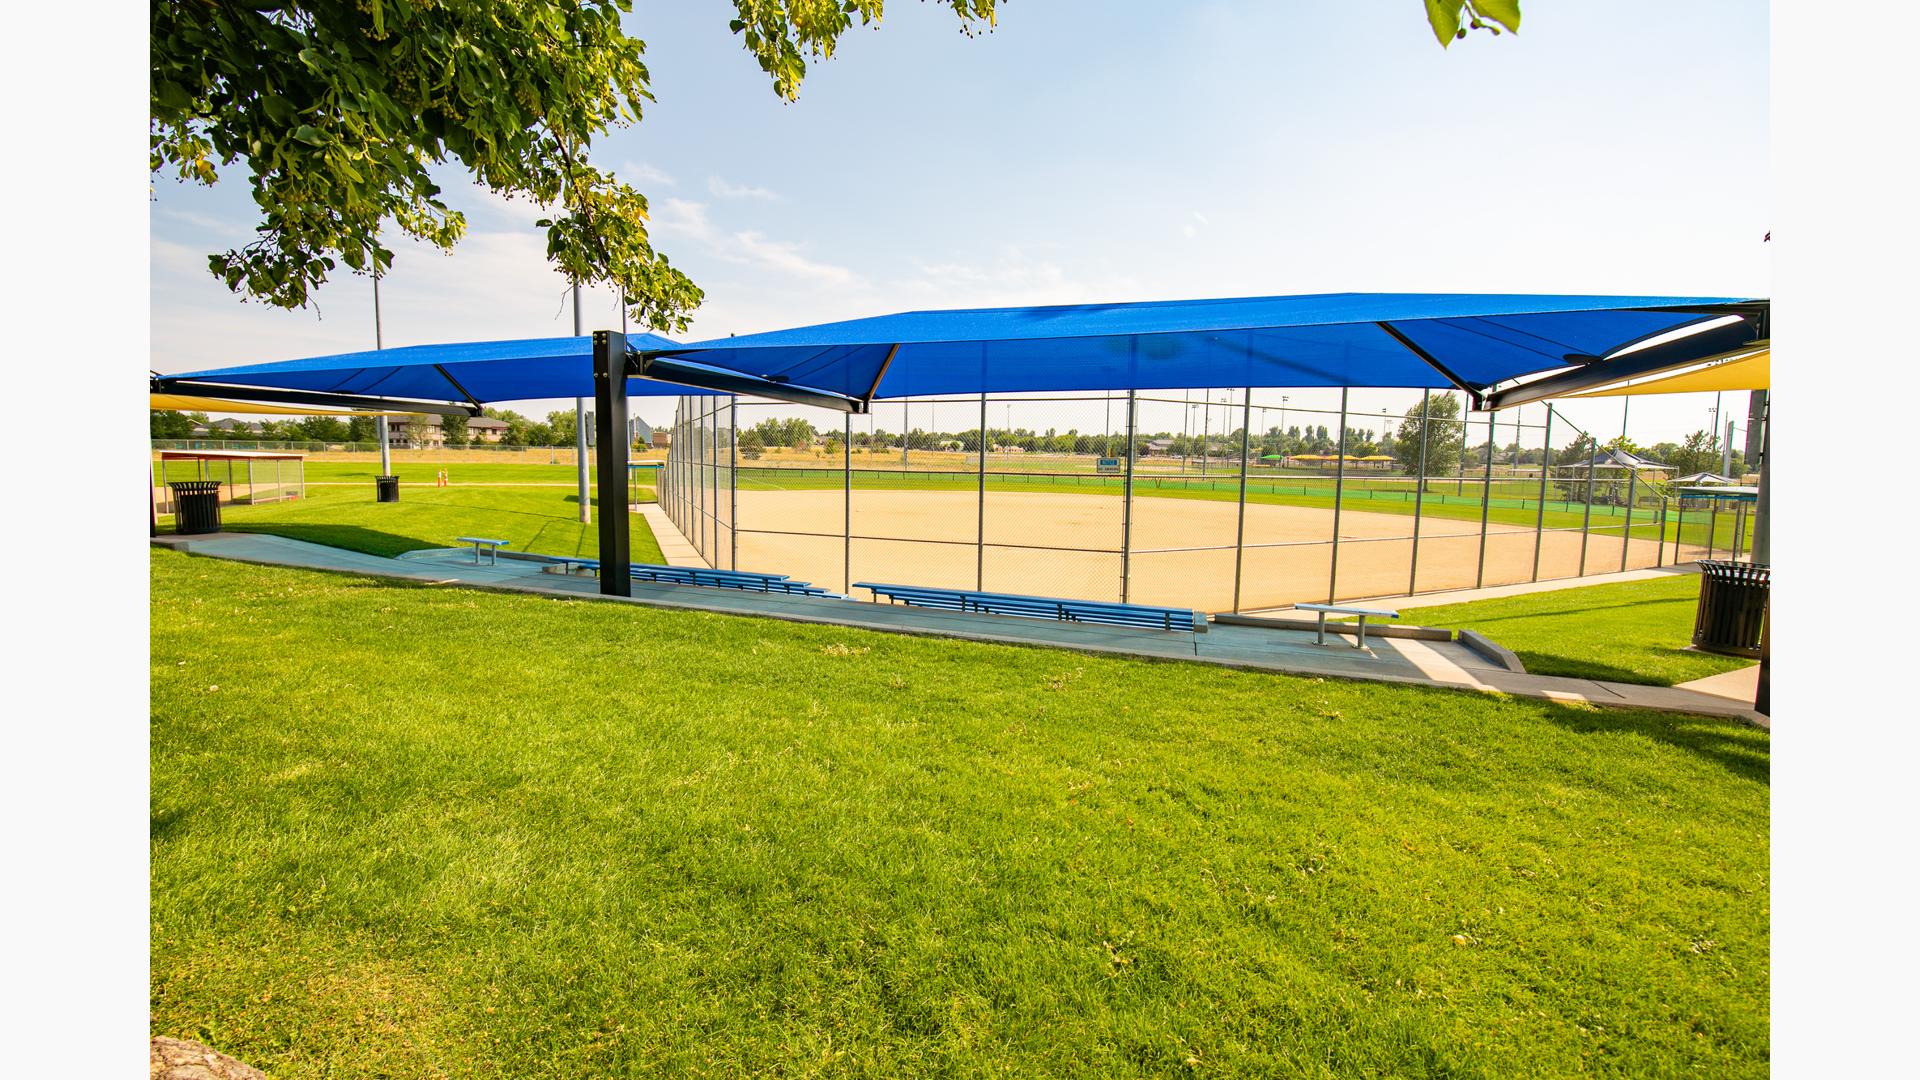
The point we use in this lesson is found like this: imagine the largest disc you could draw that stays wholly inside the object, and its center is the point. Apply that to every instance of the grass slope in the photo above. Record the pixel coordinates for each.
(405, 830)
(1634, 631)
(536, 519)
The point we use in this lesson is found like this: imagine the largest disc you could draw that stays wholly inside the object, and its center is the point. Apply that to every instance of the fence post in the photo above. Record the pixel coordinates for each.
(1713, 524)
(1586, 517)
(846, 453)
(1626, 531)
(733, 482)
(1419, 491)
(1339, 486)
(1240, 532)
(1540, 515)
(1660, 537)
(1126, 502)
(1486, 504)
(980, 523)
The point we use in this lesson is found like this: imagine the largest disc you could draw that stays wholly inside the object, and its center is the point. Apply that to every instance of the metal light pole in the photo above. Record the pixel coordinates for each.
(580, 427)
(379, 342)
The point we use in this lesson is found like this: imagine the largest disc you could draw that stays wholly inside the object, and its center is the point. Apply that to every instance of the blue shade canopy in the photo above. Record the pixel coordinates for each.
(486, 370)
(1416, 340)
(1337, 339)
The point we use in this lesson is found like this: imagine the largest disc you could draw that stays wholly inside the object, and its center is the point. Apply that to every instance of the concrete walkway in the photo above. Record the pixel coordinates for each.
(1385, 659)
(674, 545)
(1740, 684)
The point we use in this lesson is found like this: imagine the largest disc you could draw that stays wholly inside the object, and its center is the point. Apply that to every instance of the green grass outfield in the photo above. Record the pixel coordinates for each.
(1633, 631)
(536, 519)
(413, 830)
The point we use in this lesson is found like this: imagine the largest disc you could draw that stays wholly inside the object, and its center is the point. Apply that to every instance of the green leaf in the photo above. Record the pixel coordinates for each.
(1444, 16)
(171, 95)
(1504, 12)
(310, 135)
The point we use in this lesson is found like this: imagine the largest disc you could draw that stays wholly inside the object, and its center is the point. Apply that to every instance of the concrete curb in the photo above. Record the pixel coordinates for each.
(1493, 651)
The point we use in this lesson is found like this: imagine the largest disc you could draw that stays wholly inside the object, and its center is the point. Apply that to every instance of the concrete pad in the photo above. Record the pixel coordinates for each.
(1740, 684)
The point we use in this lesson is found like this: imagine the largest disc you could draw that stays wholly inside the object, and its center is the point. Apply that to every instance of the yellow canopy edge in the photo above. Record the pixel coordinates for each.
(186, 403)
(1746, 373)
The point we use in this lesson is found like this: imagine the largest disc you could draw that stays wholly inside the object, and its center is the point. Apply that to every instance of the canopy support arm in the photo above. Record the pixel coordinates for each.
(1473, 393)
(881, 374)
(463, 391)
(165, 385)
(669, 369)
(1650, 361)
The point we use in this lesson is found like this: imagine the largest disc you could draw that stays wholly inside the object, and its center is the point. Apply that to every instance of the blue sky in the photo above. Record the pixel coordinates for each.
(1110, 151)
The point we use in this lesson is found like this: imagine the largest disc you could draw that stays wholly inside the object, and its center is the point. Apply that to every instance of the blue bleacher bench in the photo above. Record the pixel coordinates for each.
(746, 580)
(1041, 607)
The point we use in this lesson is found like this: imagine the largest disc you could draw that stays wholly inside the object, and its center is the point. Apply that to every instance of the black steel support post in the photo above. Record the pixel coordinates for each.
(610, 427)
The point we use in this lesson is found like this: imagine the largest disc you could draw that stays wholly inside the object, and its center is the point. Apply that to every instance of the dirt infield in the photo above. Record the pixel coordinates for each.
(1183, 549)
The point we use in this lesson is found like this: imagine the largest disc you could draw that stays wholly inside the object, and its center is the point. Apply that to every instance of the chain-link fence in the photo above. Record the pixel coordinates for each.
(1212, 499)
(370, 451)
(242, 480)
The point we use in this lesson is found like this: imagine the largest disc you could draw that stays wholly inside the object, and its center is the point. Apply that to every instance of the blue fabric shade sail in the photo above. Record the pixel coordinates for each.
(1416, 340)
(484, 371)
(1341, 339)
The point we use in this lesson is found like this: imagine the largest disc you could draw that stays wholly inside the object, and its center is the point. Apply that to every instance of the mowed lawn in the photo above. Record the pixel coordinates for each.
(422, 831)
(1633, 631)
(544, 520)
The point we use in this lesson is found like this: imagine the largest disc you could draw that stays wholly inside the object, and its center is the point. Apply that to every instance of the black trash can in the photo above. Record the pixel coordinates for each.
(386, 488)
(196, 506)
(1733, 607)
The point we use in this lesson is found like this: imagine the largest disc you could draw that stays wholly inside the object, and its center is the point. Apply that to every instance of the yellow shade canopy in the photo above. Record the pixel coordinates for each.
(1748, 372)
(186, 403)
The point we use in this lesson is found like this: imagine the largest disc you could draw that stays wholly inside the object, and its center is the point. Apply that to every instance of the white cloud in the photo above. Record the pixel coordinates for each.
(684, 218)
(786, 257)
(638, 173)
(725, 190)
(1192, 228)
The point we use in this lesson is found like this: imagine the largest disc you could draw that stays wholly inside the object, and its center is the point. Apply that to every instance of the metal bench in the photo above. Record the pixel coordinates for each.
(1360, 636)
(491, 545)
(1040, 607)
(745, 580)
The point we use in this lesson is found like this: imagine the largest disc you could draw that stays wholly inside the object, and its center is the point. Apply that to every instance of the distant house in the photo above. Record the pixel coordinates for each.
(639, 432)
(1158, 447)
(230, 429)
(486, 429)
(662, 438)
(416, 432)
